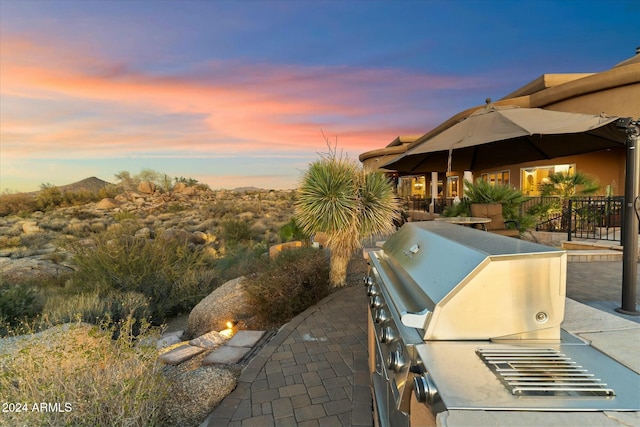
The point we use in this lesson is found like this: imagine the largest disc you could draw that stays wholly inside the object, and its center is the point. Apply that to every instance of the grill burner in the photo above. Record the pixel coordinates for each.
(541, 372)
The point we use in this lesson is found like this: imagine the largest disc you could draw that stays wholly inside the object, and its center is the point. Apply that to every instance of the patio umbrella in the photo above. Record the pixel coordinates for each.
(498, 136)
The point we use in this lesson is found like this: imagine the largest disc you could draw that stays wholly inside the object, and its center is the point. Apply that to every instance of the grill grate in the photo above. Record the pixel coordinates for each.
(541, 372)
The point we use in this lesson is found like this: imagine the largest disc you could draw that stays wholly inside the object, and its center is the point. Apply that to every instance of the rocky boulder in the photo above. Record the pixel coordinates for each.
(195, 393)
(147, 187)
(227, 303)
(24, 270)
(30, 227)
(179, 187)
(107, 203)
(175, 234)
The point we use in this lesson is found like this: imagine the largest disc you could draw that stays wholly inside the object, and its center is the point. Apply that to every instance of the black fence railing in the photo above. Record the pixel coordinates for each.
(593, 217)
(422, 204)
(589, 217)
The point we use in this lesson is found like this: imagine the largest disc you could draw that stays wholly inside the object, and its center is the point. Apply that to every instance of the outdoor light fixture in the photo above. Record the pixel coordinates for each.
(631, 217)
(229, 331)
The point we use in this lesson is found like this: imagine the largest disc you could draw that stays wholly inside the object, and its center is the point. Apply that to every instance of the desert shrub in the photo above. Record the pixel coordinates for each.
(17, 302)
(158, 269)
(92, 307)
(95, 380)
(10, 241)
(79, 197)
(292, 231)
(241, 260)
(124, 216)
(49, 197)
(17, 204)
(235, 231)
(109, 191)
(35, 239)
(293, 281)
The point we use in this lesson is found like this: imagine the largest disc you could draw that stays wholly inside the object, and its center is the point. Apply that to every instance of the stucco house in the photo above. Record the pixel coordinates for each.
(614, 92)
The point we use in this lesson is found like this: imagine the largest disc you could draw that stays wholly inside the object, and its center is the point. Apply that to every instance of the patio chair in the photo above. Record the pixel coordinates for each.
(497, 225)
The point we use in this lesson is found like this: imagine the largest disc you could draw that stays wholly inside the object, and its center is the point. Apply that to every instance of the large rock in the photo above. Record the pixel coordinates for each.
(194, 394)
(24, 270)
(179, 187)
(30, 227)
(227, 303)
(147, 187)
(176, 234)
(107, 203)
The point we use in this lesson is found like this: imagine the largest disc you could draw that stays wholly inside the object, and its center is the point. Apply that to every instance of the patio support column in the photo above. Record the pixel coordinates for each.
(434, 191)
(630, 225)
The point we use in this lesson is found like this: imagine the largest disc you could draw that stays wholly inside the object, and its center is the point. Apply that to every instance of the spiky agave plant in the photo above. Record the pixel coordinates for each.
(345, 202)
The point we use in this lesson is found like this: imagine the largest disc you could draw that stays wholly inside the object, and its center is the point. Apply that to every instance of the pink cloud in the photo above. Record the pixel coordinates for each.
(231, 107)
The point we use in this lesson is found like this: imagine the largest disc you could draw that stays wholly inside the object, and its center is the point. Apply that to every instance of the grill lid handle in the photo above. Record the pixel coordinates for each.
(415, 320)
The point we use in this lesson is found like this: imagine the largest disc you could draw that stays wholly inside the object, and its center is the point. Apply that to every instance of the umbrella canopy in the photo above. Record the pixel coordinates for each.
(498, 136)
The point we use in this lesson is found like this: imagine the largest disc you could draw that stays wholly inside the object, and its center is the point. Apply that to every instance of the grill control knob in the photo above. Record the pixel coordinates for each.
(368, 280)
(424, 389)
(387, 335)
(376, 302)
(372, 290)
(395, 361)
(380, 316)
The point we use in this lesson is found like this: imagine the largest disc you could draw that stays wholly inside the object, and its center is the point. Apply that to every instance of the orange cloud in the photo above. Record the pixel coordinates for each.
(113, 109)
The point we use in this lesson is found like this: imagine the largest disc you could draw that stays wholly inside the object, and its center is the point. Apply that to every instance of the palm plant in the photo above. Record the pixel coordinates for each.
(484, 192)
(565, 185)
(346, 203)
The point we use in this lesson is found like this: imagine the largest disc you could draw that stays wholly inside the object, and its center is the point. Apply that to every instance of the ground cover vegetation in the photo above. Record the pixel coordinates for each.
(116, 274)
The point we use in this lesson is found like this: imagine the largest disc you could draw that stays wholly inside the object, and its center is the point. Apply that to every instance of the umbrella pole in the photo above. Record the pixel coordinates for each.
(630, 225)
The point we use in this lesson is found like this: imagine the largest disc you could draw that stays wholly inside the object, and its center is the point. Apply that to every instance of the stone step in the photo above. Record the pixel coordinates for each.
(226, 351)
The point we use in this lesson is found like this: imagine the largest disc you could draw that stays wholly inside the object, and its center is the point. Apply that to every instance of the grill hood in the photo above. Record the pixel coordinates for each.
(459, 283)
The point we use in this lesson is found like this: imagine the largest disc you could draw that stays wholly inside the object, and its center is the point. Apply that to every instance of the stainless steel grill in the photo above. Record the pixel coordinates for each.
(468, 320)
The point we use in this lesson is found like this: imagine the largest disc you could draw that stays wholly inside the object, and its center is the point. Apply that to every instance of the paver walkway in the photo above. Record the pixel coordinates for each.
(314, 372)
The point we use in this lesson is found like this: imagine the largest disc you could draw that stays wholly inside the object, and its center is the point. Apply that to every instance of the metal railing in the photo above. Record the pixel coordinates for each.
(593, 217)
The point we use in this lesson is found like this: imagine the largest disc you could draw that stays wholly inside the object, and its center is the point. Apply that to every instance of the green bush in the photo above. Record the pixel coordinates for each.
(94, 308)
(49, 197)
(241, 260)
(292, 282)
(235, 231)
(17, 303)
(292, 231)
(17, 204)
(170, 274)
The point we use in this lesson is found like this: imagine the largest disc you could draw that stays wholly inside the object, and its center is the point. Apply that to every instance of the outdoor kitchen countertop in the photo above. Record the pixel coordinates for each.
(617, 337)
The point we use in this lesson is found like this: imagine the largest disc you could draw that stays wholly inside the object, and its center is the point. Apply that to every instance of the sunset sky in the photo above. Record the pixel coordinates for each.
(239, 93)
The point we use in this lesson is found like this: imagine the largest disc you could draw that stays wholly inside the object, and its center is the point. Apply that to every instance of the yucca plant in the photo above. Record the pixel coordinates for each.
(347, 203)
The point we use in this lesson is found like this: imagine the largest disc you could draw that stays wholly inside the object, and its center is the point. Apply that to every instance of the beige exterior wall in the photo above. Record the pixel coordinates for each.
(607, 167)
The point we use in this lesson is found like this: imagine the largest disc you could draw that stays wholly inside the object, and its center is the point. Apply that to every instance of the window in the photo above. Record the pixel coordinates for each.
(496, 178)
(531, 178)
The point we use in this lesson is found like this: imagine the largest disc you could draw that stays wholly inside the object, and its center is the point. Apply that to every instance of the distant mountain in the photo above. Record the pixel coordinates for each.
(91, 184)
